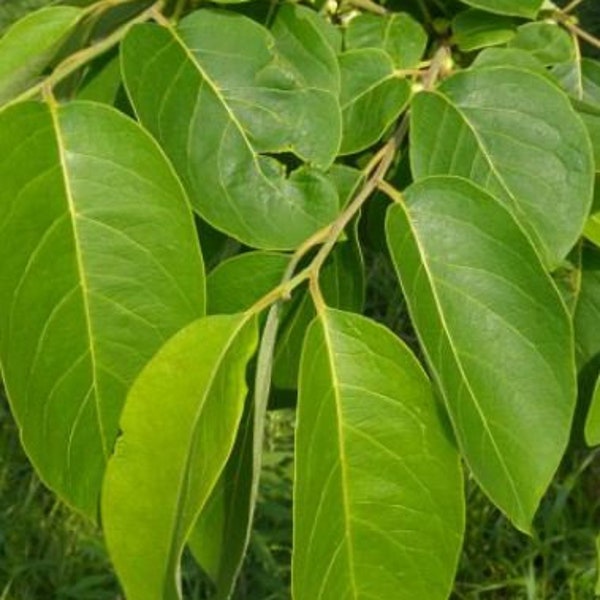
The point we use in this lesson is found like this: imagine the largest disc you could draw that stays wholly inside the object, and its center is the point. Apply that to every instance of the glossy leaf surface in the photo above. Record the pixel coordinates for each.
(29, 45)
(495, 333)
(372, 96)
(517, 8)
(107, 268)
(178, 428)
(398, 35)
(238, 101)
(514, 133)
(378, 500)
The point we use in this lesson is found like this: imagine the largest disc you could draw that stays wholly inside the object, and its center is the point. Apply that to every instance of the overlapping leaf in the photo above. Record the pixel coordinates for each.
(495, 333)
(378, 506)
(30, 44)
(592, 427)
(547, 42)
(473, 29)
(178, 428)
(372, 96)
(516, 134)
(220, 105)
(100, 265)
(518, 8)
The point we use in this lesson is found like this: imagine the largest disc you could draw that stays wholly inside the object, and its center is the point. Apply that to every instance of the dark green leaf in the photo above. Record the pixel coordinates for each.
(495, 333)
(178, 429)
(30, 44)
(518, 8)
(516, 134)
(378, 500)
(547, 42)
(239, 100)
(237, 283)
(592, 426)
(398, 35)
(372, 97)
(100, 265)
(474, 29)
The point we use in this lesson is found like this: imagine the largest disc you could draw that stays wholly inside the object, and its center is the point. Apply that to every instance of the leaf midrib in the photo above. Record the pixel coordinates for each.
(73, 214)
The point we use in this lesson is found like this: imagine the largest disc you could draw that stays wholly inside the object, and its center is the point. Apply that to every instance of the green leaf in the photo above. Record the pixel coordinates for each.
(100, 265)
(102, 82)
(547, 42)
(30, 44)
(474, 29)
(495, 333)
(378, 499)
(581, 78)
(516, 134)
(237, 283)
(592, 426)
(219, 537)
(592, 227)
(520, 59)
(587, 315)
(518, 8)
(179, 426)
(398, 34)
(372, 97)
(239, 100)
(343, 286)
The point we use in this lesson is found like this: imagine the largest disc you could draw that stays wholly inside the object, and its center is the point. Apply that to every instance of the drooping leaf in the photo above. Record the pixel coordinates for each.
(372, 96)
(495, 333)
(547, 42)
(343, 286)
(518, 8)
(239, 100)
(401, 37)
(102, 82)
(30, 44)
(587, 316)
(178, 429)
(237, 283)
(378, 501)
(100, 265)
(516, 134)
(592, 426)
(473, 29)
(219, 536)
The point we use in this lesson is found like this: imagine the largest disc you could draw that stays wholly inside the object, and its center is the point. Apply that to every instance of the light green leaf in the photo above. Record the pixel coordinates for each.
(547, 42)
(592, 426)
(237, 283)
(516, 134)
(178, 428)
(30, 44)
(343, 286)
(495, 333)
(518, 8)
(378, 499)
(219, 536)
(237, 101)
(398, 34)
(473, 29)
(372, 97)
(100, 265)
